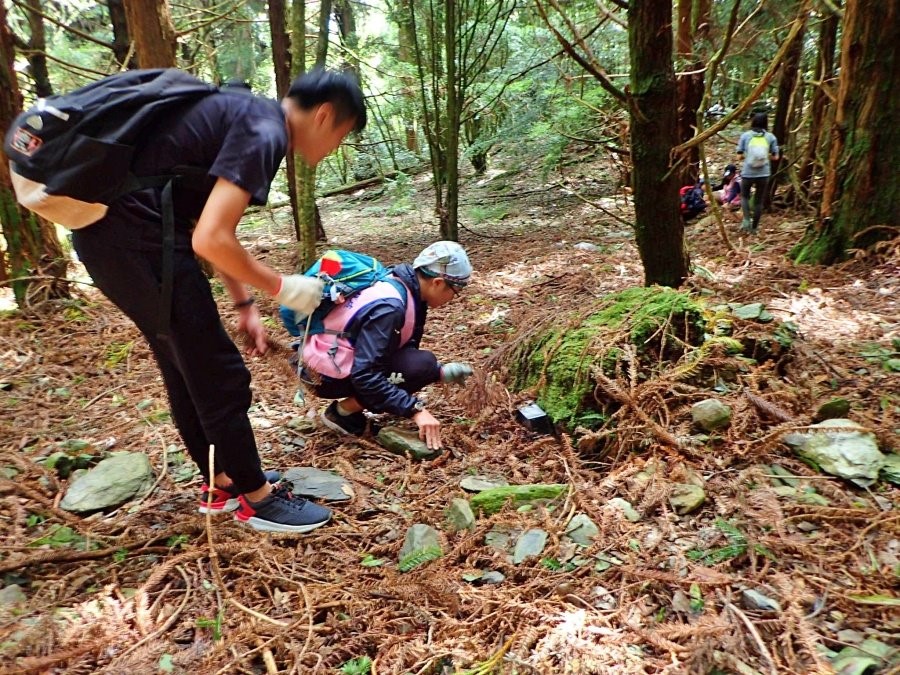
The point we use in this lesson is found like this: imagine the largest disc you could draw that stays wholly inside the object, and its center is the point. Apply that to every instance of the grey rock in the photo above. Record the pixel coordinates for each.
(711, 414)
(686, 498)
(890, 471)
(485, 578)
(851, 452)
(111, 483)
(587, 246)
(311, 482)
(499, 539)
(625, 508)
(460, 516)
(529, 545)
(851, 636)
(756, 600)
(12, 595)
(750, 311)
(833, 409)
(581, 529)
(405, 442)
(481, 483)
(420, 537)
(491, 577)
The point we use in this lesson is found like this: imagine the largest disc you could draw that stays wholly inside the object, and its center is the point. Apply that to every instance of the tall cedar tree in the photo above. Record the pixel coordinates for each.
(659, 230)
(32, 247)
(859, 202)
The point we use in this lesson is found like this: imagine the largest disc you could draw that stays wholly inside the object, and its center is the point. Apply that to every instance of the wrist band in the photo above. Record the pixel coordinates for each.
(245, 303)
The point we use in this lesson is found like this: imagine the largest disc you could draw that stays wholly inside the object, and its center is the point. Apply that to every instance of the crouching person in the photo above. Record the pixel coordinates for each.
(369, 358)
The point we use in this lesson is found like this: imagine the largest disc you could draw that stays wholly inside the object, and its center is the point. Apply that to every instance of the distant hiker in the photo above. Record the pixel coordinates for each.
(757, 148)
(377, 364)
(693, 200)
(239, 140)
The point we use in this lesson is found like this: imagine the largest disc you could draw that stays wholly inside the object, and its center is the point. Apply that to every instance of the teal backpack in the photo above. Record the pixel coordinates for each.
(345, 273)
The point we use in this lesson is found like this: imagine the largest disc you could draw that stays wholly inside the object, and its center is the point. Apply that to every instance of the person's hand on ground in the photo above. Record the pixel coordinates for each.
(429, 429)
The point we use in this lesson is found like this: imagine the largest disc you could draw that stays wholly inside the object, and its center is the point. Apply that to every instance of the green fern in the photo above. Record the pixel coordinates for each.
(412, 560)
(736, 547)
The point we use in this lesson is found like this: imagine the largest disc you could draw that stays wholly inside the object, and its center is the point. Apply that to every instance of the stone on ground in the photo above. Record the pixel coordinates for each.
(491, 501)
(850, 452)
(111, 483)
(530, 545)
(581, 529)
(625, 508)
(756, 600)
(405, 442)
(711, 414)
(460, 515)
(686, 498)
(481, 483)
(833, 409)
(422, 543)
(308, 481)
(11, 596)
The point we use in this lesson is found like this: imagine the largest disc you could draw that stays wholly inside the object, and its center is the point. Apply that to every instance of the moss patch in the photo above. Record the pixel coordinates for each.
(653, 323)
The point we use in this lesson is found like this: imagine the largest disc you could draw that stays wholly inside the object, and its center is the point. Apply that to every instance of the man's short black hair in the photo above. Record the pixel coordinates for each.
(341, 89)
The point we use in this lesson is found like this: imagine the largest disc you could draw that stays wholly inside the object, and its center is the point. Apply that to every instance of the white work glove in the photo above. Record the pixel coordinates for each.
(300, 293)
(455, 373)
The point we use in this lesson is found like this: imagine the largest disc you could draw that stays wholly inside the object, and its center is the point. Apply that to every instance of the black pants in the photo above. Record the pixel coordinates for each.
(759, 185)
(206, 379)
(416, 368)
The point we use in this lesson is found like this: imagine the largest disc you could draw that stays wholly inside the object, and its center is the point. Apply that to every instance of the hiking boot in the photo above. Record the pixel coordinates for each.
(281, 511)
(353, 424)
(225, 500)
(745, 226)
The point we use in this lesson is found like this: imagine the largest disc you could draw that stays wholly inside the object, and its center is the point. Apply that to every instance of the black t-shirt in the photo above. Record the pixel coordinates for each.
(235, 136)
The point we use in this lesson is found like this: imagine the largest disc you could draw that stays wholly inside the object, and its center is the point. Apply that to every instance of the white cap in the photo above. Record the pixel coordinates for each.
(445, 259)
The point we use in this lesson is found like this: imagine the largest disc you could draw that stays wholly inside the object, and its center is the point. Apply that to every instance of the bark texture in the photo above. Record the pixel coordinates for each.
(150, 26)
(861, 193)
(659, 231)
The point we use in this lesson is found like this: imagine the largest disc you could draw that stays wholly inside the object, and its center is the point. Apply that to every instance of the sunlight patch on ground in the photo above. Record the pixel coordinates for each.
(822, 316)
(580, 643)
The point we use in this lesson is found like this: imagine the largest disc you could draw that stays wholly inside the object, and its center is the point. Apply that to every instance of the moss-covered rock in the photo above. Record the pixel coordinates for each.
(658, 323)
(491, 501)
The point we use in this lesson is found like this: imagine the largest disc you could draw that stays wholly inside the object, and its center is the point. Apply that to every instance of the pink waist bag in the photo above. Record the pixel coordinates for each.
(330, 352)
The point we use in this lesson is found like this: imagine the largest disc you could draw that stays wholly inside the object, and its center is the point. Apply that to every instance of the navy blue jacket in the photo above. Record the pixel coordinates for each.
(375, 334)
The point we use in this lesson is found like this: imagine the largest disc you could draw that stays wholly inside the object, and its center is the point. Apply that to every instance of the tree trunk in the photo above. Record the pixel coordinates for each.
(121, 38)
(659, 231)
(346, 21)
(306, 175)
(690, 91)
(281, 61)
(32, 248)
(820, 101)
(861, 193)
(781, 125)
(150, 25)
(406, 54)
(37, 46)
(324, 24)
(449, 216)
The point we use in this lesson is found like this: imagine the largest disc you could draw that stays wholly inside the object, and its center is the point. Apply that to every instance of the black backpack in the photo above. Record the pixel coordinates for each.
(70, 155)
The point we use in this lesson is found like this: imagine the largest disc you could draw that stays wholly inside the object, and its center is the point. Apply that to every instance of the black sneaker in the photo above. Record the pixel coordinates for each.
(281, 511)
(353, 424)
(225, 500)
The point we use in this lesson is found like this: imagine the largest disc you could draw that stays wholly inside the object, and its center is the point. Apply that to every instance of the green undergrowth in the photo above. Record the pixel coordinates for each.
(655, 324)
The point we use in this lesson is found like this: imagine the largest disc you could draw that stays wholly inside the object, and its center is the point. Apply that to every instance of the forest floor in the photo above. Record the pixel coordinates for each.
(151, 588)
